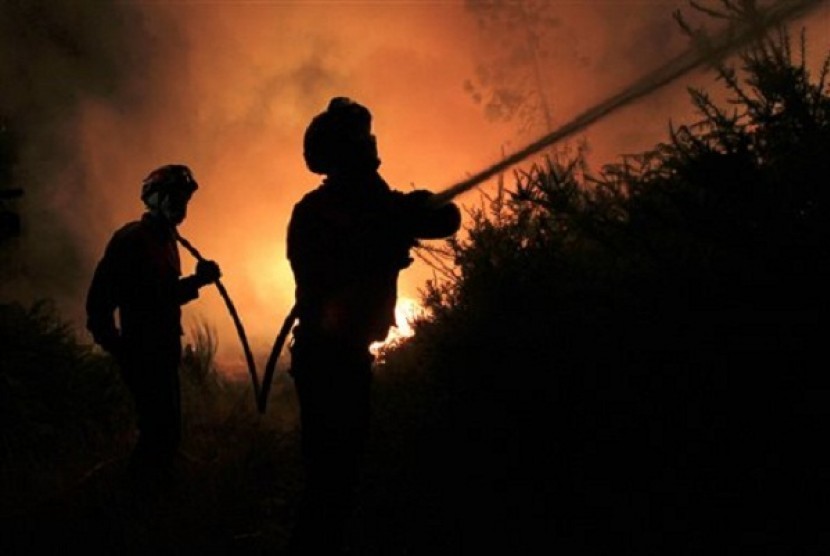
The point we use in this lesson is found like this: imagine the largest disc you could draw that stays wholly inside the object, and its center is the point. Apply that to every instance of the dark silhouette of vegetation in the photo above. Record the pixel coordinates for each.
(630, 362)
(61, 410)
(67, 430)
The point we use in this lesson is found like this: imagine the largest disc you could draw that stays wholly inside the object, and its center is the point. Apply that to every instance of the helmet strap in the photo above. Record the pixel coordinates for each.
(164, 208)
(153, 202)
(159, 206)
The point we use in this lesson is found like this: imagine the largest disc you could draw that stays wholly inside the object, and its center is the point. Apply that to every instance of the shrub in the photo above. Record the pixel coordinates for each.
(623, 351)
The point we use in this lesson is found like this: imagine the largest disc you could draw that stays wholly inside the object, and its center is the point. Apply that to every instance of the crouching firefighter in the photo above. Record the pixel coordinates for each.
(347, 242)
(140, 276)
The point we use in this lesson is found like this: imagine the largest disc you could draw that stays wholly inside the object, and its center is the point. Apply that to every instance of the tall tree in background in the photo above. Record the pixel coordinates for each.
(511, 85)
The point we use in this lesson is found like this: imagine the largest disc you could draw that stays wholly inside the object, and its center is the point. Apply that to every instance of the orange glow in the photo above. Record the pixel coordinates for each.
(407, 311)
(231, 99)
(228, 88)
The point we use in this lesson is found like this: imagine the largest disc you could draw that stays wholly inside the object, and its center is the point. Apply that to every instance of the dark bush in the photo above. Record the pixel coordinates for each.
(632, 360)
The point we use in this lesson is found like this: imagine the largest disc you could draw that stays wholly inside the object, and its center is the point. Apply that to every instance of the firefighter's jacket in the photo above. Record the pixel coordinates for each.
(140, 275)
(347, 242)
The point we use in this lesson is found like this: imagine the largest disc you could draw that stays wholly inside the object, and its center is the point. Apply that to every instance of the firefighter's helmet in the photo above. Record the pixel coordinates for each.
(168, 179)
(340, 139)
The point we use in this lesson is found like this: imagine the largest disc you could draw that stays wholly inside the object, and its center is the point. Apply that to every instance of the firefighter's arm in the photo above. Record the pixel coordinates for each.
(102, 300)
(426, 221)
(207, 272)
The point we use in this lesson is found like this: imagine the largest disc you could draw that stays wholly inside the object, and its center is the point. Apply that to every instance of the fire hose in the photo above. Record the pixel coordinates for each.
(736, 35)
(240, 330)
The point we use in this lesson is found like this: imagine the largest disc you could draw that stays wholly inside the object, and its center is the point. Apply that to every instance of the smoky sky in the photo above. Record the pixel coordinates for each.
(98, 94)
(54, 57)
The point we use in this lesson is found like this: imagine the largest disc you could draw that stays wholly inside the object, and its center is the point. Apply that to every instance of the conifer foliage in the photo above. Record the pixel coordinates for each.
(632, 359)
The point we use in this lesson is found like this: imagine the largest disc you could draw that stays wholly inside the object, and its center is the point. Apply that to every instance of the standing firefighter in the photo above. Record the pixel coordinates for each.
(140, 276)
(347, 242)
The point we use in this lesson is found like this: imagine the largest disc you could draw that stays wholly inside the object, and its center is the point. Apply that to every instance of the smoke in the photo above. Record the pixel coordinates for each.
(719, 45)
(99, 94)
(555, 56)
(56, 57)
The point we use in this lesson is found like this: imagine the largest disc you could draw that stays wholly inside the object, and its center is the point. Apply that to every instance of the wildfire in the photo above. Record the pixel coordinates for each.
(407, 310)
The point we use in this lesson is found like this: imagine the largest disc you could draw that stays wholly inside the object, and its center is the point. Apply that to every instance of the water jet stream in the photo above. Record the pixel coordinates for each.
(735, 36)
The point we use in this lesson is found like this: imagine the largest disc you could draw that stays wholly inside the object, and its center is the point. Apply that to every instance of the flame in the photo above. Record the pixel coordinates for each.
(407, 311)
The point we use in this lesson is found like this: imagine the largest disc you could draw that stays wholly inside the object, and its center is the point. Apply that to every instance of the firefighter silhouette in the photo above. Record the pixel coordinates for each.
(140, 277)
(348, 240)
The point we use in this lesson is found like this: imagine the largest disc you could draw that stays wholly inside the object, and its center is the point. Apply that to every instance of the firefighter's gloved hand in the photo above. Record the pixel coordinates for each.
(207, 272)
(418, 200)
(422, 218)
(414, 207)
